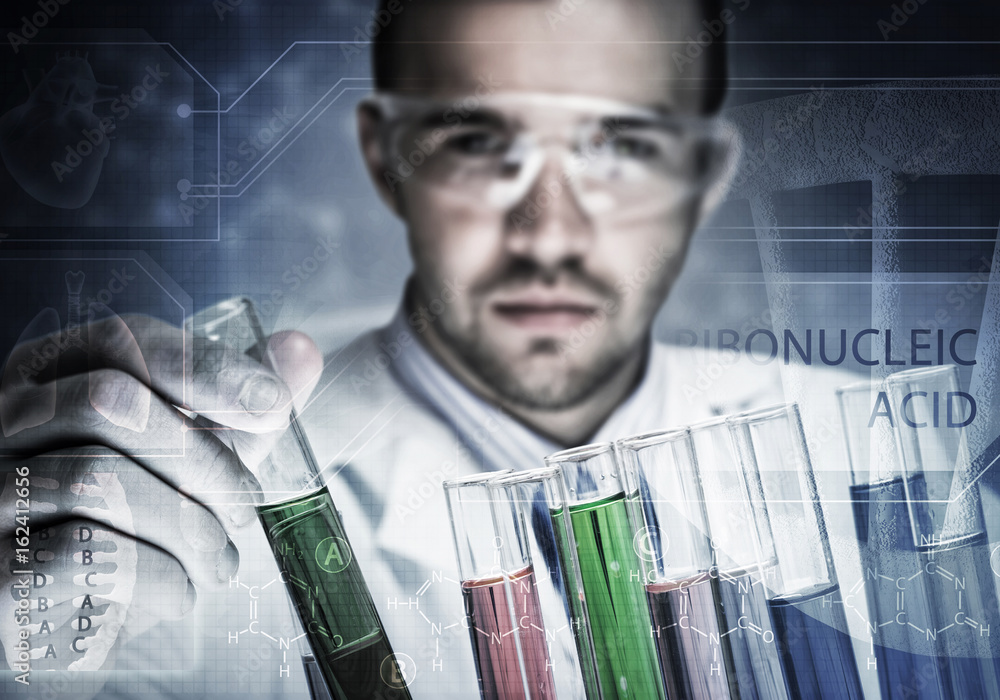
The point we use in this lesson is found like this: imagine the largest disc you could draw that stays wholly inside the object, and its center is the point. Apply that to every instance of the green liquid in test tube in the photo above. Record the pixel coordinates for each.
(307, 538)
(611, 573)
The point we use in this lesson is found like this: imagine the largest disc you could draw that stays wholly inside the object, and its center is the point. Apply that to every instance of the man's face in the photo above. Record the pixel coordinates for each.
(544, 295)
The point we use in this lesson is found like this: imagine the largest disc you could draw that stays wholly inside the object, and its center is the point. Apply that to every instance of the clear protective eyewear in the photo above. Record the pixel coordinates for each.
(619, 160)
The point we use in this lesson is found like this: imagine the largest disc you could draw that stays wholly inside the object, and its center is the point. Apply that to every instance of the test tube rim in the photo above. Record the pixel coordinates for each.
(474, 479)
(859, 385)
(581, 453)
(713, 422)
(525, 476)
(657, 437)
(240, 303)
(757, 415)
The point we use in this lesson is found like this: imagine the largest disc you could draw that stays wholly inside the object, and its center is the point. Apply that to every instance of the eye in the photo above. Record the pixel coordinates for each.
(478, 143)
(636, 148)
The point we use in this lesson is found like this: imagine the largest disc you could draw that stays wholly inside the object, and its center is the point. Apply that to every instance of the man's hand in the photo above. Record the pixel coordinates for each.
(129, 497)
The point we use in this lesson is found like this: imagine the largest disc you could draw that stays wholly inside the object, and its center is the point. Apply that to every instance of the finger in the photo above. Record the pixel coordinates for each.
(22, 371)
(128, 358)
(170, 447)
(214, 378)
(296, 359)
(128, 498)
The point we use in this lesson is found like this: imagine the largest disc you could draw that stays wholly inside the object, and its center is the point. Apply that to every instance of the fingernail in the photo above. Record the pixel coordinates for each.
(229, 562)
(259, 393)
(189, 599)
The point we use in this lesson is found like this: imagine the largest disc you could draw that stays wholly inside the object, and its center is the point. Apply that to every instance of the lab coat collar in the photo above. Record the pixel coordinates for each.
(497, 440)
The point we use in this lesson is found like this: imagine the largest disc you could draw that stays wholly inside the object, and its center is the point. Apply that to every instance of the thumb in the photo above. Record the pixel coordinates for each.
(296, 359)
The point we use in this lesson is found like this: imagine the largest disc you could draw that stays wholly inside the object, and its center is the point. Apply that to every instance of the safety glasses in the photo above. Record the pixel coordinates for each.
(621, 162)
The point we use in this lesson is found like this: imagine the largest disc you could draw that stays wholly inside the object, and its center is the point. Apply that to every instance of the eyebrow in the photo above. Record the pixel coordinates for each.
(486, 116)
(446, 117)
(631, 121)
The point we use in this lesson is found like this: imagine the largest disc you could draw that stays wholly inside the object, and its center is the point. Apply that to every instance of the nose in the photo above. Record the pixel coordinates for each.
(548, 225)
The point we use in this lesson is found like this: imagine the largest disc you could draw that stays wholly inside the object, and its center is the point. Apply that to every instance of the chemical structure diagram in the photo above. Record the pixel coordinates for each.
(284, 642)
(437, 580)
(397, 670)
(741, 616)
(910, 610)
(441, 585)
(407, 667)
(742, 593)
(743, 612)
(741, 590)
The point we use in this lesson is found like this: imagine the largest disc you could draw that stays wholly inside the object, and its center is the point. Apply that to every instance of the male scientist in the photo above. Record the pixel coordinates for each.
(551, 161)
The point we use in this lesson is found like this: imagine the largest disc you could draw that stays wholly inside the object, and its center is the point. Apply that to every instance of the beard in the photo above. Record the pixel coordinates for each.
(551, 374)
(524, 381)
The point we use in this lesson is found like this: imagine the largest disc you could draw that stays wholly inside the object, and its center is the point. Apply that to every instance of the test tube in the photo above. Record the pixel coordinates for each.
(598, 515)
(682, 582)
(527, 503)
(511, 659)
(905, 658)
(947, 525)
(745, 559)
(804, 600)
(303, 527)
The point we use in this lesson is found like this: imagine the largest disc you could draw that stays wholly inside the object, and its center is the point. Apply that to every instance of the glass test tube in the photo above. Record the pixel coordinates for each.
(947, 524)
(527, 503)
(511, 659)
(807, 612)
(303, 527)
(690, 628)
(599, 520)
(905, 657)
(744, 555)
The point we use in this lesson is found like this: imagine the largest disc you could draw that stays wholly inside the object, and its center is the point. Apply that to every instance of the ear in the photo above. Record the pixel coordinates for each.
(723, 164)
(370, 121)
